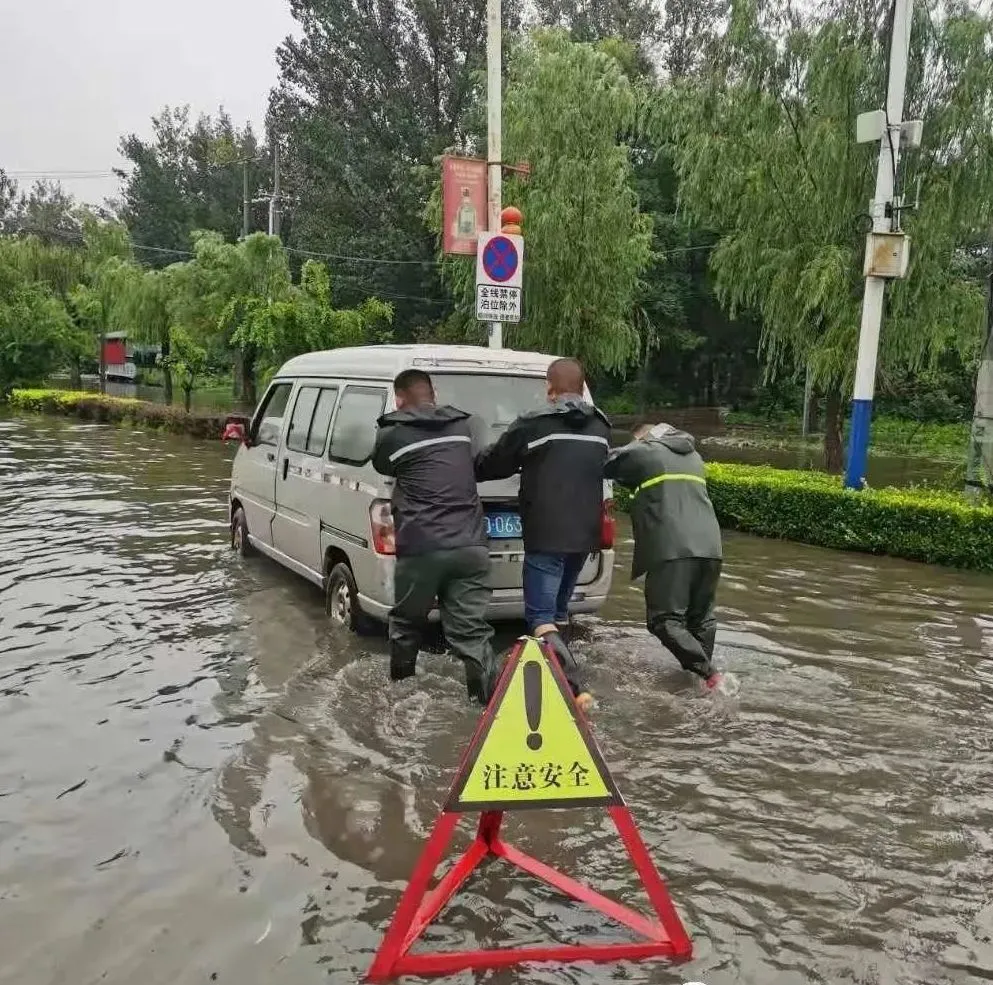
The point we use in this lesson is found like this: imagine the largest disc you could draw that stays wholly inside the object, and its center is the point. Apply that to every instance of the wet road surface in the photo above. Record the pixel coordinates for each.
(201, 781)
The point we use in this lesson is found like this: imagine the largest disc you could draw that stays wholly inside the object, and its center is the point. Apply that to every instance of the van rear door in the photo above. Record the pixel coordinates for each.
(496, 400)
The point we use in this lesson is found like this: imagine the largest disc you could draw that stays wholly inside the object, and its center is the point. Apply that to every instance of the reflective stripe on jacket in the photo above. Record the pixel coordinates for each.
(671, 513)
(429, 451)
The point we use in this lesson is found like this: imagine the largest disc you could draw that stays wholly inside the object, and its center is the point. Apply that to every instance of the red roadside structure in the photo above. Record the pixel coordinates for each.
(519, 759)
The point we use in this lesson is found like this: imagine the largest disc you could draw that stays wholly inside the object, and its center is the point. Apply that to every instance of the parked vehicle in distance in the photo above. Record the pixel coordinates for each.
(304, 493)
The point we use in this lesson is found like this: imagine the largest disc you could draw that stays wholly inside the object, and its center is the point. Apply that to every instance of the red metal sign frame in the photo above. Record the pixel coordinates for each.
(420, 904)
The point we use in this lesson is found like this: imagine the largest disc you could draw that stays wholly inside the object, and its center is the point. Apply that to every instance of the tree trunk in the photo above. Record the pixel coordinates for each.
(979, 464)
(808, 399)
(164, 355)
(815, 412)
(103, 365)
(187, 398)
(834, 458)
(248, 376)
(236, 375)
(76, 374)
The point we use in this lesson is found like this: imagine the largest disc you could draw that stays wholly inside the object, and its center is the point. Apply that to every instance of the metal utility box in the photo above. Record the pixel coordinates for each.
(887, 255)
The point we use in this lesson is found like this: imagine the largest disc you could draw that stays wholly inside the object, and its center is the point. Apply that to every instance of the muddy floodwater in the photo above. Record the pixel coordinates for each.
(201, 781)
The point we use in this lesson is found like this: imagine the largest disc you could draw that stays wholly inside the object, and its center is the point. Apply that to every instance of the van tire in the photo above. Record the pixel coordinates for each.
(341, 600)
(239, 534)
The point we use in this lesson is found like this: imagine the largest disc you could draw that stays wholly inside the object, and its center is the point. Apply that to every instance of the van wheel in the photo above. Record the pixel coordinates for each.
(239, 534)
(342, 599)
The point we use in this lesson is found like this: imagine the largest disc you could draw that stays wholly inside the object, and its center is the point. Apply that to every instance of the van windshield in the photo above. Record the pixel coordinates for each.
(496, 401)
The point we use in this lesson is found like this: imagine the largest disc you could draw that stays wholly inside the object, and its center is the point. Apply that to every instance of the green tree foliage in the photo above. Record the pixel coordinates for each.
(46, 211)
(145, 301)
(586, 242)
(8, 196)
(239, 299)
(35, 330)
(766, 153)
(188, 176)
(369, 95)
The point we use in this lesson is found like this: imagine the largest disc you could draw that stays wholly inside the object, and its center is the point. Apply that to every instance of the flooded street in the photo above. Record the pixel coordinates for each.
(201, 781)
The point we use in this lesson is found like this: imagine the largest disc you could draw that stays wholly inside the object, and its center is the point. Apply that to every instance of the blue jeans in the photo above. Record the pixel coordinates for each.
(549, 581)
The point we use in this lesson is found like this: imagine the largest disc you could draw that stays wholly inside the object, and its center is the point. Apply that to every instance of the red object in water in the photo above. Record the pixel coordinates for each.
(713, 682)
(663, 936)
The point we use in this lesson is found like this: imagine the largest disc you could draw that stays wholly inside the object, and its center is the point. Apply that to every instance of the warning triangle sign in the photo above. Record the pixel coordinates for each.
(533, 748)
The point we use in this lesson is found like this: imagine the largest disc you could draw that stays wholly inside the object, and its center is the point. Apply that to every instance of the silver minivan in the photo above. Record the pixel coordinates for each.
(303, 491)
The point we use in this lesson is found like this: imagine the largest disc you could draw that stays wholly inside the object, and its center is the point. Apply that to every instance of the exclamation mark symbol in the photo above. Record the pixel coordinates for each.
(532, 702)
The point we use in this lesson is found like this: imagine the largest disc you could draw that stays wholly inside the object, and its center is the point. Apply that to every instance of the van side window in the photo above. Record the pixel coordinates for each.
(354, 434)
(321, 421)
(303, 411)
(269, 418)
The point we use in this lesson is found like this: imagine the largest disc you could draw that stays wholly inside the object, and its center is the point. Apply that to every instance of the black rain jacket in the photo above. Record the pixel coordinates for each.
(560, 452)
(429, 451)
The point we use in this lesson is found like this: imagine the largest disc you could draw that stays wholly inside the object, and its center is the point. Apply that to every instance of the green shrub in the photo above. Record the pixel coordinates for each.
(118, 410)
(813, 508)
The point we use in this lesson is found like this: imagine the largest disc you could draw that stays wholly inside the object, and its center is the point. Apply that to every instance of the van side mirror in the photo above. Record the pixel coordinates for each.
(234, 431)
(235, 428)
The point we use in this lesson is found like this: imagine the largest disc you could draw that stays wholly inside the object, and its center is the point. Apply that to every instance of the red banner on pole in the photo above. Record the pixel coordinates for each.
(532, 749)
(463, 193)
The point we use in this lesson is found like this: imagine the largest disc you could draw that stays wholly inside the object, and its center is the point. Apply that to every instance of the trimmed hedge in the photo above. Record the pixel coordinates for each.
(814, 508)
(118, 410)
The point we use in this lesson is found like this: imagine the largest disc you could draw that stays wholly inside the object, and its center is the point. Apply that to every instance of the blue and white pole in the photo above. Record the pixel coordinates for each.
(872, 299)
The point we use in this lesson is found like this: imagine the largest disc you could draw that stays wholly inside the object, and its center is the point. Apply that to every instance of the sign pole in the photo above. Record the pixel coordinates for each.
(884, 219)
(494, 119)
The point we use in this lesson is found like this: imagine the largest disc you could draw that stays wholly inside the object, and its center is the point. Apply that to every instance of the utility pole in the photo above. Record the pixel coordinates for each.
(494, 120)
(244, 199)
(274, 216)
(885, 219)
(979, 467)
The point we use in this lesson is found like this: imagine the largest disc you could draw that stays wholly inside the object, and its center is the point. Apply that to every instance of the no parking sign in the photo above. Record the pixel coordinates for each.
(499, 276)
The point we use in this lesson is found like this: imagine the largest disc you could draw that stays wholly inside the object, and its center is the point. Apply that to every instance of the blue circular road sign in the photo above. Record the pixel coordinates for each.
(500, 259)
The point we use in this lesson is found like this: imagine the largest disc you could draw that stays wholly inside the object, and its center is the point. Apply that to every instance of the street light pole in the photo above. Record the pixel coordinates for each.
(244, 199)
(872, 299)
(494, 120)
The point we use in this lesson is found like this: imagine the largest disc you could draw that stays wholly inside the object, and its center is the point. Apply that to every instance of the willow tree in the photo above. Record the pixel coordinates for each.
(36, 334)
(145, 302)
(765, 149)
(567, 109)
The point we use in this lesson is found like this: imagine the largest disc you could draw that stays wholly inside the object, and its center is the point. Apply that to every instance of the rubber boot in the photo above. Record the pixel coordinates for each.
(571, 669)
(478, 683)
(403, 663)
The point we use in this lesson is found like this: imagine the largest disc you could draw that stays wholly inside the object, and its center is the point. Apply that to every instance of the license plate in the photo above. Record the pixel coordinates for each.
(503, 526)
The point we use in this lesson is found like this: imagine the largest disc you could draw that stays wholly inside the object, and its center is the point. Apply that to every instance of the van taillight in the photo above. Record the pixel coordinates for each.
(381, 520)
(608, 526)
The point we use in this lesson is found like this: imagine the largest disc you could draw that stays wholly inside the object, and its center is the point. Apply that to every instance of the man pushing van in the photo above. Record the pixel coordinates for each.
(442, 550)
(677, 541)
(560, 452)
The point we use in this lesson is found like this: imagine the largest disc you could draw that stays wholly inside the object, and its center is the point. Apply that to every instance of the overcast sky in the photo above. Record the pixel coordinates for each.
(77, 74)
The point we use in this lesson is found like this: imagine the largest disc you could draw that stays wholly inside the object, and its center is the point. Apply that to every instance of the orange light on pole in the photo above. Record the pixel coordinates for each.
(511, 220)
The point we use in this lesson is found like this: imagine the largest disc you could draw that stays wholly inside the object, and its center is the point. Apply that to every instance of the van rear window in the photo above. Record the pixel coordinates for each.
(496, 401)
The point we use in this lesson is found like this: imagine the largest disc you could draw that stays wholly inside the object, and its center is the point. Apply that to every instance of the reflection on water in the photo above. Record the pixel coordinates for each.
(198, 777)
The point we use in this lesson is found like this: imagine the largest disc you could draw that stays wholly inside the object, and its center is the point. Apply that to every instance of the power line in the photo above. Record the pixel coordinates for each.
(54, 175)
(361, 259)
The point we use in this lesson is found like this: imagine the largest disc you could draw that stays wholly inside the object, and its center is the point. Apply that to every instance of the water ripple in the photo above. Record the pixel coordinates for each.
(200, 777)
